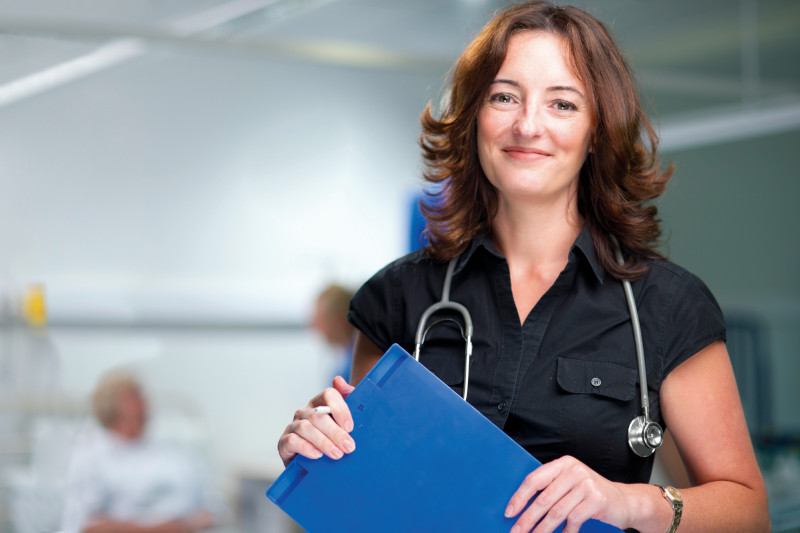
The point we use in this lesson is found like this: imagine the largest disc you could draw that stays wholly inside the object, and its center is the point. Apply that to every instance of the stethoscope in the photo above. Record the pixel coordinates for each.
(644, 435)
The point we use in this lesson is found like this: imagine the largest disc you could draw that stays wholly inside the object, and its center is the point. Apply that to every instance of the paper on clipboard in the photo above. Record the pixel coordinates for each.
(425, 461)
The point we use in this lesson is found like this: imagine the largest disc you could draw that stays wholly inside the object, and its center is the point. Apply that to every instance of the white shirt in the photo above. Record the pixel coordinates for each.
(133, 481)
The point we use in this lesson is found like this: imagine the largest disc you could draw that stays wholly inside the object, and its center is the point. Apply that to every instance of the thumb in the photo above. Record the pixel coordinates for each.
(342, 386)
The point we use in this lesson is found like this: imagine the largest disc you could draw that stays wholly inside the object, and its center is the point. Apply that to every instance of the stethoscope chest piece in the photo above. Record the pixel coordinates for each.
(644, 436)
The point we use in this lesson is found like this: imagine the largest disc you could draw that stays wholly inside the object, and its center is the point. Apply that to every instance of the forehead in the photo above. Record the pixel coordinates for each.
(538, 53)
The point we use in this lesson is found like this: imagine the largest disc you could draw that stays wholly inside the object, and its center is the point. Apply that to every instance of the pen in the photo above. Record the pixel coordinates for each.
(324, 409)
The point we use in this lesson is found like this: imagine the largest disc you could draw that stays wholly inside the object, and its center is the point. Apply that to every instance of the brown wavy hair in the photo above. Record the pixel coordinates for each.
(621, 174)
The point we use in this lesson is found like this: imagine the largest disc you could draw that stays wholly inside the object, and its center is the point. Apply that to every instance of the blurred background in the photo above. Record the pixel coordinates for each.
(180, 178)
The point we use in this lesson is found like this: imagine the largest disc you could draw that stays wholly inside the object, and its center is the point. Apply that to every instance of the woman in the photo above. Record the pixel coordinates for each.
(544, 154)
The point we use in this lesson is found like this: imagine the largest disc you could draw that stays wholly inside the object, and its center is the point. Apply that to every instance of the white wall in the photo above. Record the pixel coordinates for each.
(207, 186)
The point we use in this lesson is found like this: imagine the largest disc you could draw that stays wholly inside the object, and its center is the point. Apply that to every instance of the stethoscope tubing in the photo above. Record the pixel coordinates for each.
(445, 303)
(640, 427)
(637, 333)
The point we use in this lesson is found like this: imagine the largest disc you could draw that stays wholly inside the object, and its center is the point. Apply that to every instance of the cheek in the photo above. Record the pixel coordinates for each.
(576, 139)
(488, 131)
(482, 140)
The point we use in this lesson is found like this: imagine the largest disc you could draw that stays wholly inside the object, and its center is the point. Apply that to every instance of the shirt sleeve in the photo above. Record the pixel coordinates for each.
(373, 308)
(694, 321)
(84, 493)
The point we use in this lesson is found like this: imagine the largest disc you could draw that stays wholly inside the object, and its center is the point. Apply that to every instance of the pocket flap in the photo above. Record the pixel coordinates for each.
(596, 377)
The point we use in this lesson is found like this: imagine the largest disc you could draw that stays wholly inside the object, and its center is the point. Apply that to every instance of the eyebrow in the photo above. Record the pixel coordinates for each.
(555, 88)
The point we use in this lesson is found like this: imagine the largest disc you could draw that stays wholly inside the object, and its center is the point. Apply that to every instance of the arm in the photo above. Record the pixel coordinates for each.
(365, 355)
(197, 522)
(670, 460)
(313, 434)
(701, 405)
(104, 525)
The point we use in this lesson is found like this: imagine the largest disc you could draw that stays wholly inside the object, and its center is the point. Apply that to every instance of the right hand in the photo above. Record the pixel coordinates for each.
(313, 434)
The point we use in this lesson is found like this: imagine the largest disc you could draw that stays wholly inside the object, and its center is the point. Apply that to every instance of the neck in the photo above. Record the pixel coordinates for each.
(536, 236)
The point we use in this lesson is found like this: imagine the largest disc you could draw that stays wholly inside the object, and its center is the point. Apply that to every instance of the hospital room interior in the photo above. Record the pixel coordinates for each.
(180, 179)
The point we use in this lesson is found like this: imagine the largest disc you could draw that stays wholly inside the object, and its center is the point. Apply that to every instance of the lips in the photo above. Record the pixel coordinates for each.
(526, 153)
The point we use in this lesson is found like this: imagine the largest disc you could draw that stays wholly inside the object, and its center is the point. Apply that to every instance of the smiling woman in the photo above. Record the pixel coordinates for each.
(622, 173)
(535, 126)
(545, 163)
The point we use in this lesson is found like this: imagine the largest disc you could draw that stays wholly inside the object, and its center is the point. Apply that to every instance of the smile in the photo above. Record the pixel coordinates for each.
(525, 154)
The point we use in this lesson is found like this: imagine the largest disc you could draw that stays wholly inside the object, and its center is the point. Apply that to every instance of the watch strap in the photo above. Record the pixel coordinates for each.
(674, 498)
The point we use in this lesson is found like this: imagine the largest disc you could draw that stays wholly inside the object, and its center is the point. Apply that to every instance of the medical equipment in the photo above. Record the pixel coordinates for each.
(445, 303)
(644, 435)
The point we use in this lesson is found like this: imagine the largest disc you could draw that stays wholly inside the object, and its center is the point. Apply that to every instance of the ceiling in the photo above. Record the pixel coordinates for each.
(695, 60)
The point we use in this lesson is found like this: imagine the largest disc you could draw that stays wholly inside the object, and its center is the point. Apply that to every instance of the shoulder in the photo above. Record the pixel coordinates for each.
(669, 280)
(408, 264)
(663, 268)
(684, 312)
(412, 268)
(389, 301)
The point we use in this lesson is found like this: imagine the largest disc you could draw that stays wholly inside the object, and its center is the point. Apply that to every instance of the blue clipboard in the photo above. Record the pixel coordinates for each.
(425, 461)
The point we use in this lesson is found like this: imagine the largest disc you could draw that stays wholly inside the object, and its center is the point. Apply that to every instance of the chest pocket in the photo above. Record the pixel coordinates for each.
(597, 405)
(596, 377)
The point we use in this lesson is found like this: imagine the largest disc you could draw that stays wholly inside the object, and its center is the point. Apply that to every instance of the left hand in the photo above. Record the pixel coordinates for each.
(568, 491)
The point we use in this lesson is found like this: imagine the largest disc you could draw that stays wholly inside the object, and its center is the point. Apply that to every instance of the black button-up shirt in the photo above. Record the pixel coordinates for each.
(565, 382)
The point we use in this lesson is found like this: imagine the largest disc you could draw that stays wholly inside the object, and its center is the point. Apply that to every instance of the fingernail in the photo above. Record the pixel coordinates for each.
(509, 511)
(348, 445)
(348, 426)
(317, 454)
(335, 452)
(516, 529)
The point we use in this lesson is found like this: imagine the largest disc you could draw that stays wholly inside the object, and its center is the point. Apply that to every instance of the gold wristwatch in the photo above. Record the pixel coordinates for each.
(672, 495)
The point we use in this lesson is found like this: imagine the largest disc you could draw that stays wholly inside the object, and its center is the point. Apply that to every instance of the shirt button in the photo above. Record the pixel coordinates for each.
(596, 382)
(501, 406)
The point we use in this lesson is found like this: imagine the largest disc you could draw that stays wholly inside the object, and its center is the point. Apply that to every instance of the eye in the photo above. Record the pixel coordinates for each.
(501, 98)
(563, 105)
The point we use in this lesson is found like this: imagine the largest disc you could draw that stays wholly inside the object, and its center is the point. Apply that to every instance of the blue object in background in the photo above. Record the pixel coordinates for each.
(425, 461)
(417, 223)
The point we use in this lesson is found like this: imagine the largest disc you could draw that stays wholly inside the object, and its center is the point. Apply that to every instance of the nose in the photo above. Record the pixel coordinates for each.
(528, 121)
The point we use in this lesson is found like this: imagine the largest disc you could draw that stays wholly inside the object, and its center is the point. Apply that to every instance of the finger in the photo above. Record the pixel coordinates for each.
(553, 481)
(573, 486)
(344, 388)
(339, 409)
(316, 430)
(560, 511)
(338, 435)
(307, 436)
(534, 482)
(290, 445)
(579, 516)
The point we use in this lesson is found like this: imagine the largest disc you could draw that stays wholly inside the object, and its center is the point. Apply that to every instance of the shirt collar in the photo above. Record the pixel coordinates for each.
(583, 243)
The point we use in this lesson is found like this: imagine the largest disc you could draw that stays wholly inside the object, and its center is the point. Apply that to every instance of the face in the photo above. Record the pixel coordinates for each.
(321, 322)
(535, 124)
(333, 327)
(131, 414)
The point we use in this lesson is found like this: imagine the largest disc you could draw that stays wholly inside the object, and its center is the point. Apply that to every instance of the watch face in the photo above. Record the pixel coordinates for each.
(673, 493)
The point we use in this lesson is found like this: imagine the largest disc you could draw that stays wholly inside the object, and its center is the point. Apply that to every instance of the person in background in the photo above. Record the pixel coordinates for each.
(329, 319)
(548, 166)
(121, 482)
